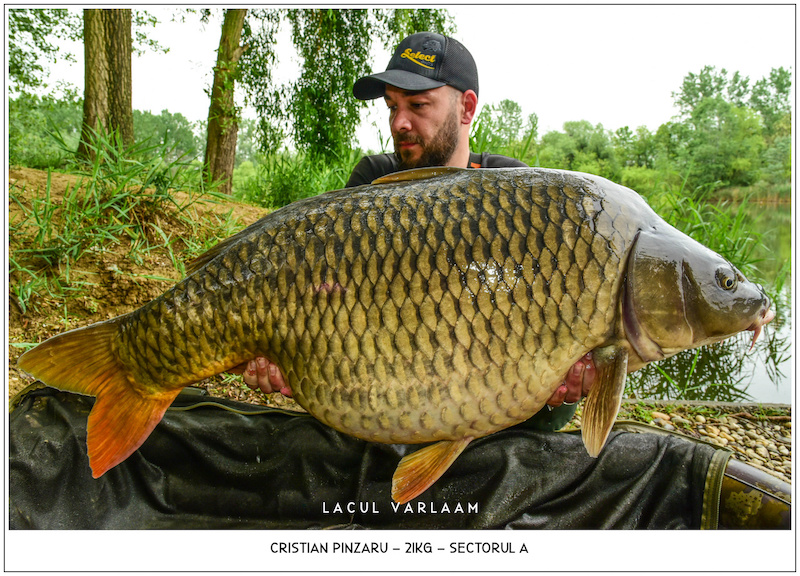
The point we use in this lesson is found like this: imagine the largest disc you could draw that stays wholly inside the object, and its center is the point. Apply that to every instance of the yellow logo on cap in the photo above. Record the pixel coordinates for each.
(417, 56)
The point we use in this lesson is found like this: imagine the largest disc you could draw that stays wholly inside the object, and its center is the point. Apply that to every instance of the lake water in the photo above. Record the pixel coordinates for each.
(730, 371)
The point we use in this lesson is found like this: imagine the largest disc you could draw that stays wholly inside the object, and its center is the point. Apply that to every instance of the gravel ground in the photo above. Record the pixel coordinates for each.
(759, 434)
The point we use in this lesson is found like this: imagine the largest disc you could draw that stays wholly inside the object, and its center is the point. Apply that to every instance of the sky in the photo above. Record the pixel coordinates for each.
(615, 65)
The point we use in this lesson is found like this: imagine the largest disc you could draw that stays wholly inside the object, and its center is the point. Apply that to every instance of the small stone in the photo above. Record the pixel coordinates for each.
(700, 418)
(727, 436)
(761, 451)
(712, 430)
(725, 429)
(751, 434)
(750, 452)
(660, 415)
(668, 426)
(783, 450)
(681, 421)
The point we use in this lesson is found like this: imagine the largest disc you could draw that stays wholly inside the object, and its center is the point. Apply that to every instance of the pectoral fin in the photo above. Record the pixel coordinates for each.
(605, 397)
(419, 470)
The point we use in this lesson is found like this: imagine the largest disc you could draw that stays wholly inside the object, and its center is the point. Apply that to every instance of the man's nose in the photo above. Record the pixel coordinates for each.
(400, 122)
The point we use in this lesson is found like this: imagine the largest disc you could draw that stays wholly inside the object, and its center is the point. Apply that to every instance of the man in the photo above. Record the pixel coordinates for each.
(431, 90)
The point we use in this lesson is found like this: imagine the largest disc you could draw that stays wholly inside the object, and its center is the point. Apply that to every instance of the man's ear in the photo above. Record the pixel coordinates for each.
(469, 102)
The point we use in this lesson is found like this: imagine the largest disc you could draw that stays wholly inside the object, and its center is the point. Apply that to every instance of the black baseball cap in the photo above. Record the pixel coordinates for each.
(423, 61)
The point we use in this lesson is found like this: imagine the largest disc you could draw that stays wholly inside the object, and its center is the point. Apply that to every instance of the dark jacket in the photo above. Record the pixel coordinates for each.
(370, 168)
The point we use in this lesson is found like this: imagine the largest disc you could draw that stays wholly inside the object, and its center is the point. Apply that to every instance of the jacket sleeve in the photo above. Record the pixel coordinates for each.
(498, 161)
(370, 168)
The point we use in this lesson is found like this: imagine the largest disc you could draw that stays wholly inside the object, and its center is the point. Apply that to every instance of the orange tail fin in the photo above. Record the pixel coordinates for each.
(83, 361)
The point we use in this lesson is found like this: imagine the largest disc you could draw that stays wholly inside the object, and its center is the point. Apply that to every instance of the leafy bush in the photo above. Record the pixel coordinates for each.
(32, 122)
(280, 179)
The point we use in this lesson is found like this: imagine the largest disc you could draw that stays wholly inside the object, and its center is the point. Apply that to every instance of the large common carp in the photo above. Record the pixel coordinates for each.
(438, 305)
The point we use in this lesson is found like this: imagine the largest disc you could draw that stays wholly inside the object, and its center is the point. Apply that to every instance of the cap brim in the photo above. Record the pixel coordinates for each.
(374, 86)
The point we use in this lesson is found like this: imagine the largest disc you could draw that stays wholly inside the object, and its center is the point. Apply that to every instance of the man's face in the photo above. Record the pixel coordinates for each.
(425, 125)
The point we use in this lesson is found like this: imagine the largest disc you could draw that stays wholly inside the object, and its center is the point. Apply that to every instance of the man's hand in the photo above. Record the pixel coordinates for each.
(576, 384)
(262, 374)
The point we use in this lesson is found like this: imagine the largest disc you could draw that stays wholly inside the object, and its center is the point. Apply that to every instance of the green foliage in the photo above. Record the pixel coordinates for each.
(317, 110)
(771, 99)
(580, 147)
(323, 108)
(34, 122)
(728, 129)
(172, 133)
(724, 145)
(726, 136)
(31, 37)
(282, 178)
(710, 84)
(247, 141)
(777, 168)
(498, 130)
(400, 23)
(639, 149)
(44, 131)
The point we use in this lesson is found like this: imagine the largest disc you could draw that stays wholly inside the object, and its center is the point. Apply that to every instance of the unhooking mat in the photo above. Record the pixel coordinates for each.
(214, 463)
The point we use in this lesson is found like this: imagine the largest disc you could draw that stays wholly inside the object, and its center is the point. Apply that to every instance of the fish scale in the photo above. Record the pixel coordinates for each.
(438, 305)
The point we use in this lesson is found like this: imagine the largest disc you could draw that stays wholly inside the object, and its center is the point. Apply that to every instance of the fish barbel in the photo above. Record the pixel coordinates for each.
(436, 305)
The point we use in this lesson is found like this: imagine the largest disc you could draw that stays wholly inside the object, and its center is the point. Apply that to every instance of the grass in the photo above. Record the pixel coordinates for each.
(120, 199)
(282, 178)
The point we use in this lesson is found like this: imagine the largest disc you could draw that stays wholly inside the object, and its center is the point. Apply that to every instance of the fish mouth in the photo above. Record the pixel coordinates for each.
(767, 315)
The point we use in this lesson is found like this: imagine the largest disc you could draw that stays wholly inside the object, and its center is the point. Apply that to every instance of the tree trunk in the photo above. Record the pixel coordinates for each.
(223, 118)
(96, 72)
(107, 102)
(118, 35)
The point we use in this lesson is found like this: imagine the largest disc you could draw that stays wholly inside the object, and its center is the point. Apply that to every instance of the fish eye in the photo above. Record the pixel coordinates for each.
(726, 279)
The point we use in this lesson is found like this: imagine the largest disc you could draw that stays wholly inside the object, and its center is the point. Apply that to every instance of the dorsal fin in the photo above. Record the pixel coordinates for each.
(417, 174)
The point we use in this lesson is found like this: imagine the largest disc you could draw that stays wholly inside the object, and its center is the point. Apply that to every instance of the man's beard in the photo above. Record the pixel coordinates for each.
(437, 152)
